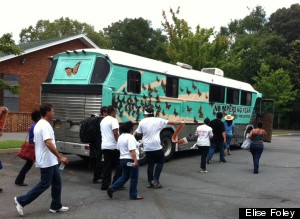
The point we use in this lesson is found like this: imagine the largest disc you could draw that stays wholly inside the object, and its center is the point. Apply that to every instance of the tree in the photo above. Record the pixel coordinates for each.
(193, 48)
(8, 46)
(136, 36)
(286, 22)
(44, 30)
(276, 85)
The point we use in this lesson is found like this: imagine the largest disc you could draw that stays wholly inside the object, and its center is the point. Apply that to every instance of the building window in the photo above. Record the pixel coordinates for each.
(232, 96)
(134, 81)
(11, 101)
(172, 87)
(216, 93)
(246, 98)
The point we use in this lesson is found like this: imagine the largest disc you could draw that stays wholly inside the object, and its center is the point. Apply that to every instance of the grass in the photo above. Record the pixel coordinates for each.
(10, 144)
(280, 133)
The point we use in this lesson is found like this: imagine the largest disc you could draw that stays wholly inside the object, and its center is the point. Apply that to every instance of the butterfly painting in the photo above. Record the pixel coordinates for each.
(72, 71)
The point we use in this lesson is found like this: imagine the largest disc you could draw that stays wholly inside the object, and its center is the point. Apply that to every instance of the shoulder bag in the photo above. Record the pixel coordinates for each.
(27, 151)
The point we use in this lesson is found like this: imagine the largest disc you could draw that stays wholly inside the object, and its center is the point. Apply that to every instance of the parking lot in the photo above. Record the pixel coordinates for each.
(186, 194)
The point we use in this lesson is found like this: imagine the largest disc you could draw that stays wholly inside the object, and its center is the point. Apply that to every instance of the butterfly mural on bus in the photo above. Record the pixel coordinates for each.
(72, 71)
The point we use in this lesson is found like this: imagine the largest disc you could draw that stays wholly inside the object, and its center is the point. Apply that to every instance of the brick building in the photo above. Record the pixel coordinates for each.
(29, 70)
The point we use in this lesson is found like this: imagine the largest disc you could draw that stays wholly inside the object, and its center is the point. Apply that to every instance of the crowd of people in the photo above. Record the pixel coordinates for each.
(118, 146)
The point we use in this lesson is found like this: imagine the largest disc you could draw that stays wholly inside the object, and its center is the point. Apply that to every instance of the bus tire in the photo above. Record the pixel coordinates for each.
(167, 144)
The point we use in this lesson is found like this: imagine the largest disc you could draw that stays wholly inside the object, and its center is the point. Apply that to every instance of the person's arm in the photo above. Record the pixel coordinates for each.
(250, 134)
(116, 134)
(52, 148)
(224, 137)
(175, 122)
(133, 155)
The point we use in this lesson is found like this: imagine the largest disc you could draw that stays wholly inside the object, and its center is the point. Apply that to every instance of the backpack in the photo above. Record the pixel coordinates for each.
(89, 129)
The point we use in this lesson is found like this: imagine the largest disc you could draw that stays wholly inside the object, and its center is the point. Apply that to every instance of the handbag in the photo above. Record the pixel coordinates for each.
(27, 151)
(246, 144)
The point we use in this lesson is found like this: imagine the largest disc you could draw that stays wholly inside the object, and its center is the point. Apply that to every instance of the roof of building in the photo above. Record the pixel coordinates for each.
(42, 44)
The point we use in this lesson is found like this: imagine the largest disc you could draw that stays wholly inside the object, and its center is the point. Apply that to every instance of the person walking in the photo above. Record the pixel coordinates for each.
(3, 117)
(204, 133)
(129, 156)
(97, 151)
(150, 128)
(110, 133)
(46, 158)
(229, 130)
(19, 181)
(257, 145)
(219, 138)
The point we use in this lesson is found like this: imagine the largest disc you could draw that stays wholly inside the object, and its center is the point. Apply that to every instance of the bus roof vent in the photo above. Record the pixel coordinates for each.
(183, 65)
(214, 71)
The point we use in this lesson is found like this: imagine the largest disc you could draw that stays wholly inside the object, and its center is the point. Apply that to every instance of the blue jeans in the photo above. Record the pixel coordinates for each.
(153, 157)
(228, 141)
(127, 172)
(204, 151)
(50, 176)
(212, 150)
(256, 151)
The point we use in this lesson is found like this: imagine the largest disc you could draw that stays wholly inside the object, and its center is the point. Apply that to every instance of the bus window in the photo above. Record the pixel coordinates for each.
(232, 96)
(216, 93)
(134, 82)
(101, 71)
(51, 71)
(246, 98)
(172, 87)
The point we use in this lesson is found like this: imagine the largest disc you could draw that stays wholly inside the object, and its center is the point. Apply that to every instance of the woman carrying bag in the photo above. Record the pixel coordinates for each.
(257, 145)
(35, 116)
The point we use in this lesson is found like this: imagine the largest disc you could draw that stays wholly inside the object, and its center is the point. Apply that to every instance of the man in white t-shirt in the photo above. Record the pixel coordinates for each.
(150, 127)
(46, 158)
(204, 133)
(110, 133)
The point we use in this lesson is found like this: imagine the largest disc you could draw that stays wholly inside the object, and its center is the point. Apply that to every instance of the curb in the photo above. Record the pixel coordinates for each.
(9, 150)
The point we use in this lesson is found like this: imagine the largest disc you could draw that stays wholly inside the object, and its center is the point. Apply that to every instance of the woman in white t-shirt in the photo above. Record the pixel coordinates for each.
(129, 154)
(204, 133)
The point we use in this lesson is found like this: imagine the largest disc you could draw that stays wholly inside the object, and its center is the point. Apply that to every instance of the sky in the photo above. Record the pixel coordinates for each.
(16, 15)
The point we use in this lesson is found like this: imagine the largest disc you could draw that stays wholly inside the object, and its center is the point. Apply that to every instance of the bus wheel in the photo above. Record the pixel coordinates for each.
(167, 144)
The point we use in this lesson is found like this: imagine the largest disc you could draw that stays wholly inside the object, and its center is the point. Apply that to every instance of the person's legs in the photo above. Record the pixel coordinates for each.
(124, 177)
(204, 151)
(21, 176)
(116, 164)
(150, 166)
(220, 146)
(256, 153)
(159, 160)
(98, 165)
(56, 189)
(107, 169)
(211, 152)
(44, 184)
(134, 177)
(228, 142)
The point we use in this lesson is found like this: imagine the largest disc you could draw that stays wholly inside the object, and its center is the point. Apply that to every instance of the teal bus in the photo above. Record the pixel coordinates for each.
(79, 82)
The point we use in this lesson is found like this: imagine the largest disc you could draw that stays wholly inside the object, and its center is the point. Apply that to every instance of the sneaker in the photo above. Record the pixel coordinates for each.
(97, 181)
(110, 192)
(156, 184)
(203, 171)
(150, 185)
(208, 161)
(1, 190)
(62, 209)
(223, 161)
(18, 207)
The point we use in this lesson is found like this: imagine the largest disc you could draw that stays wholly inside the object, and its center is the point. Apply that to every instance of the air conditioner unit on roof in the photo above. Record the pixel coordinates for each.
(214, 71)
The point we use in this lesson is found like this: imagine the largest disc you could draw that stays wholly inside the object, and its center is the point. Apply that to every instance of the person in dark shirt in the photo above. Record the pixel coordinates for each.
(219, 139)
(35, 116)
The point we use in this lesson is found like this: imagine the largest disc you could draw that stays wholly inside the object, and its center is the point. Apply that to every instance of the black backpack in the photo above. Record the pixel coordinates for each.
(89, 129)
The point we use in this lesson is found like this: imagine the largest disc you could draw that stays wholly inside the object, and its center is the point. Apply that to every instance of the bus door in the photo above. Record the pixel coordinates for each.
(266, 115)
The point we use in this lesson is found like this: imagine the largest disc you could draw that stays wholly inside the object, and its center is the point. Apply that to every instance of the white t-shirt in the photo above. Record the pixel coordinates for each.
(204, 133)
(126, 143)
(107, 125)
(43, 156)
(150, 127)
